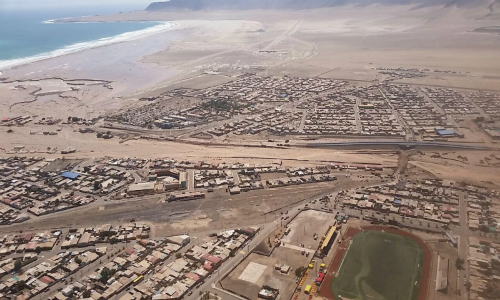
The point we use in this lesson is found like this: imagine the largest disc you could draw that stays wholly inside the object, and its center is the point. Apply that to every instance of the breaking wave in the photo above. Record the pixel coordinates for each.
(77, 47)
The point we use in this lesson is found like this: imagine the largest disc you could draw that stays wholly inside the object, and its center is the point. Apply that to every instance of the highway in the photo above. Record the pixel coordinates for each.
(376, 143)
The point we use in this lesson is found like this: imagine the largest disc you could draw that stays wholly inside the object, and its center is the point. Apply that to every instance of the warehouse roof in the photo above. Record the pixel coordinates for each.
(144, 186)
(445, 132)
(70, 175)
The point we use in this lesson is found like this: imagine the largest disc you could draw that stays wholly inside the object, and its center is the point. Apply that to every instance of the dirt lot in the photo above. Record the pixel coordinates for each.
(443, 249)
(310, 222)
(217, 211)
(60, 164)
(285, 283)
(305, 225)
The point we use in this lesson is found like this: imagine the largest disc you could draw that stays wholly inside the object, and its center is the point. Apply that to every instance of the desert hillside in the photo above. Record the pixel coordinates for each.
(311, 4)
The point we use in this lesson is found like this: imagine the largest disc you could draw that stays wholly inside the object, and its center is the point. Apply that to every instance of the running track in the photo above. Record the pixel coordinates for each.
(325, 290)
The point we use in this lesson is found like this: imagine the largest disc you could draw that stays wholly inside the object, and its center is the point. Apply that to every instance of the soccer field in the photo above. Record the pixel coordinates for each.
(379, 266)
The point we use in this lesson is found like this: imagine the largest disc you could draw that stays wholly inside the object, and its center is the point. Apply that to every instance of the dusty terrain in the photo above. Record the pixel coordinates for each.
(341, 43)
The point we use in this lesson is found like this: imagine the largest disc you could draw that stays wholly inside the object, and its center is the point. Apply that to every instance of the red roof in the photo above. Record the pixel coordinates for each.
(207, 266)
(5, 119)
(211, 258)
(31, 246)
(193, 276)
(47, 280)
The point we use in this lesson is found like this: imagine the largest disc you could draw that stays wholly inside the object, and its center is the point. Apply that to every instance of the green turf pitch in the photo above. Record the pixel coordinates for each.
(379, 266)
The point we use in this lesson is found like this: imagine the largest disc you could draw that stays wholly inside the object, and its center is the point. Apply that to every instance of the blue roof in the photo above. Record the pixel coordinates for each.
(396, 201)
(445, 132)
(70, 175)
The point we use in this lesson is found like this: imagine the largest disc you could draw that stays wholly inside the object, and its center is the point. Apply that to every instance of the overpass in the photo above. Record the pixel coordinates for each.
(400, 144)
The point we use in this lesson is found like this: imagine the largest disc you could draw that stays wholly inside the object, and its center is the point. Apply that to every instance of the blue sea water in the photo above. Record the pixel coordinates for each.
(26, 36)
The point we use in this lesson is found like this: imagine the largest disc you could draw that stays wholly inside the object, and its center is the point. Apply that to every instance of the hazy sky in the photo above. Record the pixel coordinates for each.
(137, 4)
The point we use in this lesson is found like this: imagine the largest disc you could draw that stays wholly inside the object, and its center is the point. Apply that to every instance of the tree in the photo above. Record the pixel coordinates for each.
(178, 255)
(86, 294)
(18, 264)
(38, 250)
(97, 185)
(299, 272)
(459, 263)
(86, 169)
(206, 296)
(21, 285)
(113, 241)
(105, 275)
(78, 260)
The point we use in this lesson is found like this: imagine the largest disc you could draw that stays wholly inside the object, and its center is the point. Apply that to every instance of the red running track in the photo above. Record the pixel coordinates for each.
(325, 290)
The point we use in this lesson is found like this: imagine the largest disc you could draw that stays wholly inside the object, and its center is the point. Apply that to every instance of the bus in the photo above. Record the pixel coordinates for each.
(138, 279)
(307, 290)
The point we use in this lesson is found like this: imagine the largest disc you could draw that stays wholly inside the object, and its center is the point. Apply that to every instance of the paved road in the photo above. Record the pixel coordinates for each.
(111, 249)
(302, 121)
(236, 177)
(408, 222)
(210, 282)
(463, 232)
(396, 113)
(190, 180)
(136, 176)
(399, 143)
(359, 127)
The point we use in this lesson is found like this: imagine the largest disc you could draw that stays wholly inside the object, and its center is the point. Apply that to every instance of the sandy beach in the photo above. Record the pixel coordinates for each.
(325, 43)
(309, 43)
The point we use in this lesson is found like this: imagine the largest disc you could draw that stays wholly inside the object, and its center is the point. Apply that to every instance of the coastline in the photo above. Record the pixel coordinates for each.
(81, 46)
(229, 42)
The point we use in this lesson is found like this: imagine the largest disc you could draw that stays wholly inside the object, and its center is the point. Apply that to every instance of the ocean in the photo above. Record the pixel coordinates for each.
(30, 35)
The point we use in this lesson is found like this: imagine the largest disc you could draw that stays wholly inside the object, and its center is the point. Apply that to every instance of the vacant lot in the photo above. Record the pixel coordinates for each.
(379, 266)
(305, 225)
(249, 286)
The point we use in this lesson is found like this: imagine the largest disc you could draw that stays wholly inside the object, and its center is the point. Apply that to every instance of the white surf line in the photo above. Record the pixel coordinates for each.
(77, 47)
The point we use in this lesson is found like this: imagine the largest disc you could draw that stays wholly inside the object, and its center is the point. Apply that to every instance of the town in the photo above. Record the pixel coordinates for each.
(286, 258)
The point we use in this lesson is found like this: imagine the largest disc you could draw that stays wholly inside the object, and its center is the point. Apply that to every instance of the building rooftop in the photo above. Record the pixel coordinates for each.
(70, 175)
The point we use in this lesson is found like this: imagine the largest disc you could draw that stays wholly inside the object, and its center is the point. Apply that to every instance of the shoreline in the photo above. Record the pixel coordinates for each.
(129, 36)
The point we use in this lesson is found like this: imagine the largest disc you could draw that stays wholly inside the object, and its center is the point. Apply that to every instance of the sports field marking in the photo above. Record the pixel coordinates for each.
(355, 280)
(415, 272)
(345, 254)
(252, 272)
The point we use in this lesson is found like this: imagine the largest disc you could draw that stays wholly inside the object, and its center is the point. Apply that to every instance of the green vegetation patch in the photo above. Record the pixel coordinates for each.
(379, 266)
